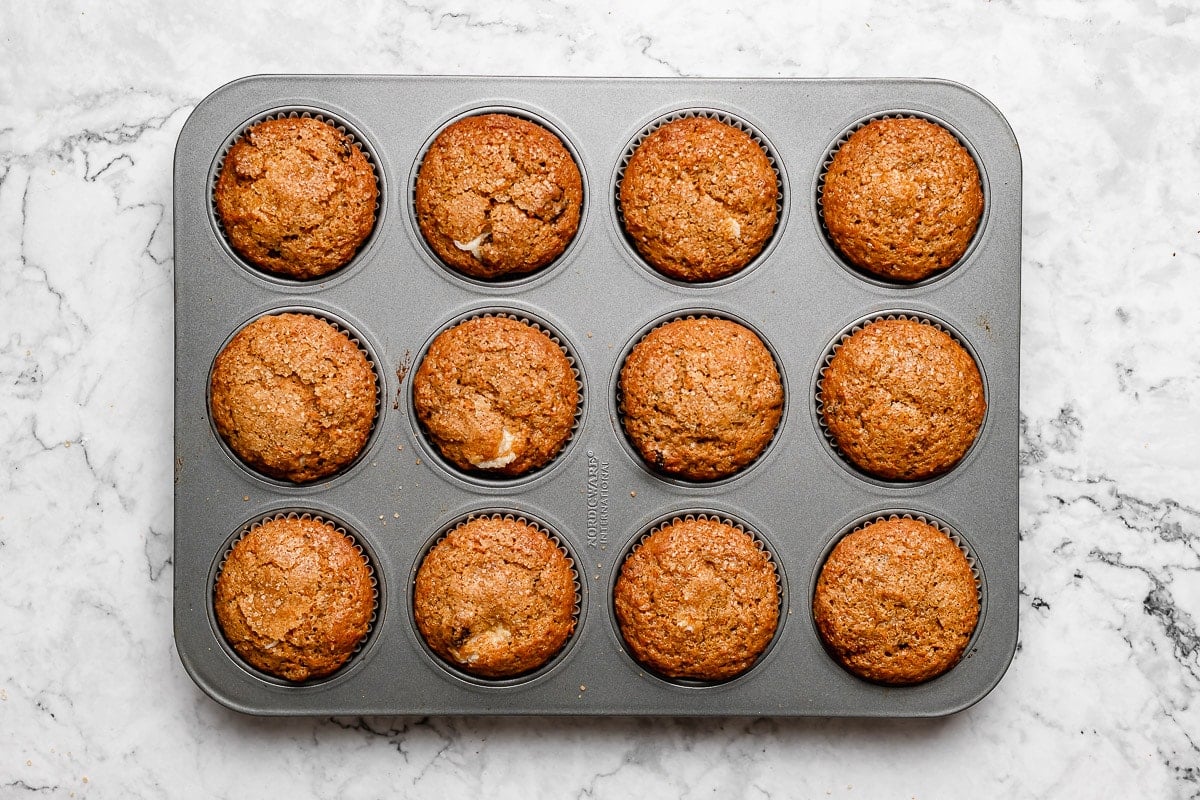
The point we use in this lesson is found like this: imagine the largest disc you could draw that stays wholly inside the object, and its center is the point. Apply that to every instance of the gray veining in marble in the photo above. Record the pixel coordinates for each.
(1102, 697)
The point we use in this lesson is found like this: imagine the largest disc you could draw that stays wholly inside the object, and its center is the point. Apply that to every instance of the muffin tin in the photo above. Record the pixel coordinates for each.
(597, 497)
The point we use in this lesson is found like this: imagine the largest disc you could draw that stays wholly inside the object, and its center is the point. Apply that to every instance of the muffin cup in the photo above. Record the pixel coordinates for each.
(959, 541)
(359, 545)
(618, 414)
(480, 478)
(826, 435)
(781, 198)
(360, 342)
(578, 612)
(759, 542)
(509, 282)
(356, 139)
(819, 203)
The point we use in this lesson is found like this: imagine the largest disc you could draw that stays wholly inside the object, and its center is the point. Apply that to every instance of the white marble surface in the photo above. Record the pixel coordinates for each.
(1103, 697)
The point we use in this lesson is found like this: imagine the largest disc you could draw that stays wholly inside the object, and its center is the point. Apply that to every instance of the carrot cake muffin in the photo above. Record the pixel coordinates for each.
(700, 398)
(496, 597)
(697, 599)
(896, 602)
(496, 395)
(295, 597)
(293, 397)
(902, 198)
(902, 400)
(498, 195)
(698, 199)
(296, 197)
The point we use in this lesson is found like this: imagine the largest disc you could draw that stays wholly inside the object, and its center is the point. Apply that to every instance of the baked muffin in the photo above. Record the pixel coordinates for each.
(498, 195)
(496, 396)
(293, 397)
(295, 598)
(700, 398)
(896, 602)
(698, 199)
(496, 597)
(697, 599)
(902, 198)
(296, 197)
(902, 400)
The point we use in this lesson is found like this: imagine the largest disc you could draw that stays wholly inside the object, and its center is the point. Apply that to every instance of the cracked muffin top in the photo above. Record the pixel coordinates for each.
(496, 396)
(296, 197)
(497, 195)
(698, 199)
(295, 598)
(495, 597)
(902, 399)
(293, 397)
(896, 602)
(700, 397)
(902, 198)
(697, 599)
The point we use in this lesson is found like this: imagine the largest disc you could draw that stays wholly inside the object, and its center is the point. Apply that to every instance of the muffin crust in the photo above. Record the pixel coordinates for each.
(902, 399)
(496, 597)
(496, 396)
(896, 602)
(700, 398)
(698, 599)
(295, 598)
(296, 197)
(293, 397)
(698, 198)
(902, 198)
(498, 195)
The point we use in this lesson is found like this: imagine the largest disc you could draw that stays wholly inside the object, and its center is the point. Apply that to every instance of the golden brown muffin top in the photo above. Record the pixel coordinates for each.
(902, 399)
(902, 198)
(498, 195)
(698, 198)
(496, 597)
(295, 598)
(896, 602)
(700, 398)
(697, 599)
(293, 397)
(296, 197)
(496, 396)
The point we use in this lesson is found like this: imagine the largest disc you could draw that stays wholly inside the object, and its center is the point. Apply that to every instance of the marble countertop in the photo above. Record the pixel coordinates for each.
(1101, 698)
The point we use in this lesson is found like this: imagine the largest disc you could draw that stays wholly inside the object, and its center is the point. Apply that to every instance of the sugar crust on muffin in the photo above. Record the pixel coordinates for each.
(293, 397)
(496, 597)
(296, 197)
(699, 199)
(498, 195)
(902, 198)
(295, 598)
